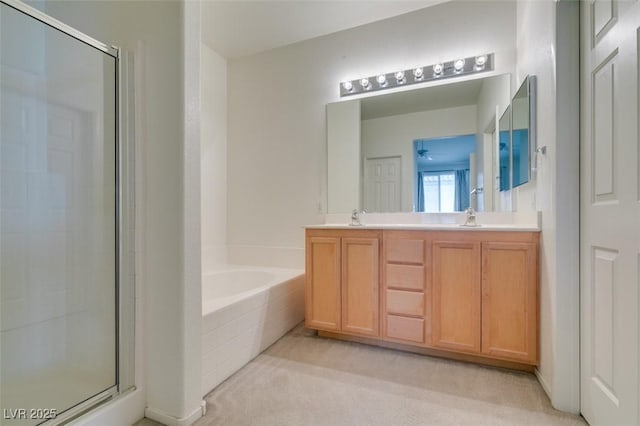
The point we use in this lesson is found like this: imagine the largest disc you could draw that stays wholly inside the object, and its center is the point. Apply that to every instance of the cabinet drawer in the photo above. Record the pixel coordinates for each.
(405, 302)
(405, 250)
(405, 277)
(404, 328)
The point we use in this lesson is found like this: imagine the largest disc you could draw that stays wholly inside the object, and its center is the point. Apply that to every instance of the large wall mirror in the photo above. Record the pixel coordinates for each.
(522, 133)
(504, 150)
(431, 149)
(516, 140)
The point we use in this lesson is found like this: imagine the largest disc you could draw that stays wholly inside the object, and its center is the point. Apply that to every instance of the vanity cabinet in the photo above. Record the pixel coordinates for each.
(467, 294)
(485, 294)
(455, 283)
(404, 295)
(510, 300)
(342, 281)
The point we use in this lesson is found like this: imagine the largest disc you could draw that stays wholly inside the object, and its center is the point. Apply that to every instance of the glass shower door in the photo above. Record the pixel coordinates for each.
(58, 189)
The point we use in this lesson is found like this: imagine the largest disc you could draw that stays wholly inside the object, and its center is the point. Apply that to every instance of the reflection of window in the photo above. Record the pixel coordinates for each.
(439, 191)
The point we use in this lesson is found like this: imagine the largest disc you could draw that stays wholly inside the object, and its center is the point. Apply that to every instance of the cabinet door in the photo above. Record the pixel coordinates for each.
(322, 292)
(456, 295)
(360, 288)
(509, 301)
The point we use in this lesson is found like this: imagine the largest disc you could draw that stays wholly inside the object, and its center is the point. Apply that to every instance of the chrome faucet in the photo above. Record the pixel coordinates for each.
(355, 218)
(470, 217)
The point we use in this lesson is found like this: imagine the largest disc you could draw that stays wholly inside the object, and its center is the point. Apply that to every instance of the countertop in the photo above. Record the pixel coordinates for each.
(432, 227)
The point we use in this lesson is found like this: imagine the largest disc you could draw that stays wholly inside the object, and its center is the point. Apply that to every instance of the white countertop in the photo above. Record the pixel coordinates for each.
(430, 227)
(487, 221)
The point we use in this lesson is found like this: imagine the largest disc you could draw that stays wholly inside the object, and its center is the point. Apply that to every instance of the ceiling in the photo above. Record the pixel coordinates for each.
(445, 151)
(239, 28)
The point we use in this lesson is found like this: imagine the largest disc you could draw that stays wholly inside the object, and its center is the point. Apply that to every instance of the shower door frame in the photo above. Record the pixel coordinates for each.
(124, 285)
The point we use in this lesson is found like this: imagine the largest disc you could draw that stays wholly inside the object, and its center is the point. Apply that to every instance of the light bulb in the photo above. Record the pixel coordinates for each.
(437, 69)
(400, 77)
(417, 73)
(458, 65)
(348, 86)
(364, 83)
(480, 61)
(382, 80)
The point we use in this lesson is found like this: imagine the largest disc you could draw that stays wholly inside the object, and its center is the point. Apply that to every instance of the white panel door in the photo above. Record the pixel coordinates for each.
(382, 184)
(610, 212)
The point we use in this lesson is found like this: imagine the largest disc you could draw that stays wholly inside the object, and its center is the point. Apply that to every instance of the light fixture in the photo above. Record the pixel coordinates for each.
(424, 153)
(438, 71)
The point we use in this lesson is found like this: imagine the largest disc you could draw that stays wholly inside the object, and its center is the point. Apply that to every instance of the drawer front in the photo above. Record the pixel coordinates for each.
(405, 251)
(404, 328)
(405, 302)
(407, 277)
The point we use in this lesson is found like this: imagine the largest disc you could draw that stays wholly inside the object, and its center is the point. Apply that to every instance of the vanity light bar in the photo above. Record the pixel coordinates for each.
(455, 68)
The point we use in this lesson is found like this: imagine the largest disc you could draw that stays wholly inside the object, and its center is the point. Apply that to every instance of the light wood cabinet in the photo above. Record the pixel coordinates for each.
(470, 295)
(342, 281)
(322, 292)
(360, 288)
(455, 287)
(404, 314)
(510, 300)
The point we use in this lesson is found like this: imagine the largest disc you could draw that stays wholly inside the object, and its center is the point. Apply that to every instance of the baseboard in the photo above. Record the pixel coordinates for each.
(543, 383)
(169, 420)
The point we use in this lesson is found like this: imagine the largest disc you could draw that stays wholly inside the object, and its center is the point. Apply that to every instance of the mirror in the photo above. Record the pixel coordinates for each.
(504, 150)
(521, 134)
(395, 152)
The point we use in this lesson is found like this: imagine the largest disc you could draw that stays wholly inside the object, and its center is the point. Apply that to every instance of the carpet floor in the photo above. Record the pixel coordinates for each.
(304, 379)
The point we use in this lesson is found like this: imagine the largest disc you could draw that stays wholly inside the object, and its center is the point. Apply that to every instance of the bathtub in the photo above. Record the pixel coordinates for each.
(245, 309)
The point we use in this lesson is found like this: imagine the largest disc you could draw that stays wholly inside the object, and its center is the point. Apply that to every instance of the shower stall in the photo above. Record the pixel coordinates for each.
(66, 287)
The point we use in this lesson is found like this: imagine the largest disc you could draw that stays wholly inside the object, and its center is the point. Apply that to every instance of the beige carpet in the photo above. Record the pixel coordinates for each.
(308, 380)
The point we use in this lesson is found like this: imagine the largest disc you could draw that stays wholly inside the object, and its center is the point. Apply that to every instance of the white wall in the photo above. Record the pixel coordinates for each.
(394, 136)
(550, 53)
(213, 159)
(169, 292)
(277, 128)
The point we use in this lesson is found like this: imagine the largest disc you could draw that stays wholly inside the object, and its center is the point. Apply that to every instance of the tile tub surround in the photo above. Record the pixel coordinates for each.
(234, 334)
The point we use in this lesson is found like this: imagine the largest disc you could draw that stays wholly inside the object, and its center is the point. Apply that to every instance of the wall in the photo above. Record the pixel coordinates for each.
(168, 234)
(277, 128)
(394, 135)
(213, 159)
(548, 48)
